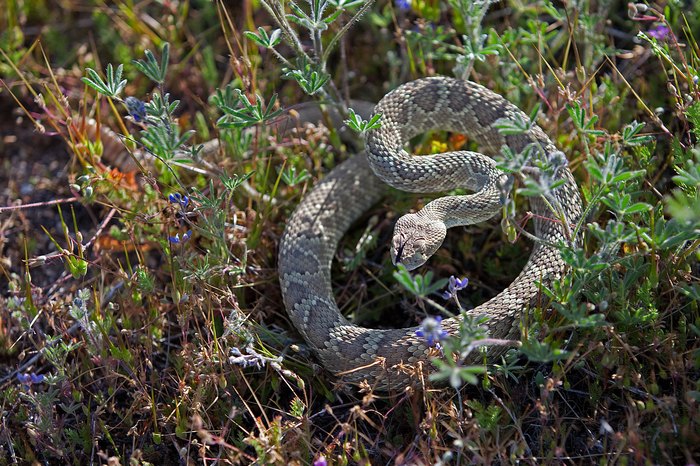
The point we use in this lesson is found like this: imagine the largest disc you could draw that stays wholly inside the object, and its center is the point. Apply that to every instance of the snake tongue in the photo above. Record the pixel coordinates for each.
(399, 254)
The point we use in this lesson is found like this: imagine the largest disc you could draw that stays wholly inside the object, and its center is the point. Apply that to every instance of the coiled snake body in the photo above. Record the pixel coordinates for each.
(384, 357)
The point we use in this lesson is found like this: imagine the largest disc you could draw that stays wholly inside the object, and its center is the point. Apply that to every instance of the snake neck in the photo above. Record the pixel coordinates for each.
(491, 193)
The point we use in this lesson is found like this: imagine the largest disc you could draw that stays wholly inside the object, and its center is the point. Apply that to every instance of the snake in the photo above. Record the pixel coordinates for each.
(389, 359)
(393, 359)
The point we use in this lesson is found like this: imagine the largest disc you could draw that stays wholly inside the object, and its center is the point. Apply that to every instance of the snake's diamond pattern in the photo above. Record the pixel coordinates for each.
(385, 358)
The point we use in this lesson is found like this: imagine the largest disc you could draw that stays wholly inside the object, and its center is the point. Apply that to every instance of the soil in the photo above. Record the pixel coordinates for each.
(33, 170)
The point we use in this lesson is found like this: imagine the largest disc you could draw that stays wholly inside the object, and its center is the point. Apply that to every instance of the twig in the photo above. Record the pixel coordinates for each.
(39, 204)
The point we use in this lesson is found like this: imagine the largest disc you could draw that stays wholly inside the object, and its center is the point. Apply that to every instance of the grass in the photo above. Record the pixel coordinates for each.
(141, 320)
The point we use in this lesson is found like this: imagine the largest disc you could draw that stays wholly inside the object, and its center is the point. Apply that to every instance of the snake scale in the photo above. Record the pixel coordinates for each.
(387, 359)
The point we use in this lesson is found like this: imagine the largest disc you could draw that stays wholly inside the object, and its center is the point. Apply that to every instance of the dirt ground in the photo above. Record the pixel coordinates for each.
(33, 170)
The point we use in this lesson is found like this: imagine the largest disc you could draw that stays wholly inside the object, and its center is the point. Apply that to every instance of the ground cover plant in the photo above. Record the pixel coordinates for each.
(141, 320)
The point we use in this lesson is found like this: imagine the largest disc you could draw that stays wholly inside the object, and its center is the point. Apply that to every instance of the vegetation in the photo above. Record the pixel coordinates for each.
(141, 320)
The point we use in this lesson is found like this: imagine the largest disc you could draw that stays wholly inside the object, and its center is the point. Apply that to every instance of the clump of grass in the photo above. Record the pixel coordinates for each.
(165, 339)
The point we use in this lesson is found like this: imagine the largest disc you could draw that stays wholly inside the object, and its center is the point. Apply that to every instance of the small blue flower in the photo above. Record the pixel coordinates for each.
(177, 239)
(136, 108)
(454, 286)
(431, 329)
(30, 379)
(403, 4)
(177, 198)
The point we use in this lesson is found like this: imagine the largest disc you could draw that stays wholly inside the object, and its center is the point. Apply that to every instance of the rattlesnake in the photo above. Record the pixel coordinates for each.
(387, 359)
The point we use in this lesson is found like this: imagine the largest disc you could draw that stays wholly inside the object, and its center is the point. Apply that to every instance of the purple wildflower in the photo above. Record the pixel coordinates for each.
(321, 461)
(431, 329)
(659, 32)
(136, 108)
(454, 286)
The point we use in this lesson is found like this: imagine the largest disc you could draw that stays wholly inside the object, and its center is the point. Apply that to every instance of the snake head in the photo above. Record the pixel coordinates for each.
(416, 238)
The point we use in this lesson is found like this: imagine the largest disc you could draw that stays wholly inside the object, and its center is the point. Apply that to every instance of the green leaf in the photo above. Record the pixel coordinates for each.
(76, 266)
(332, 17)
(112, 86)
(233, 182)
(627, 175)
(153, 69)
(419, 285)
(310, 80)
(693, 115)
(357, 124)
(638, 207)
(542, 352)
(263, 39)
(630, 134)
